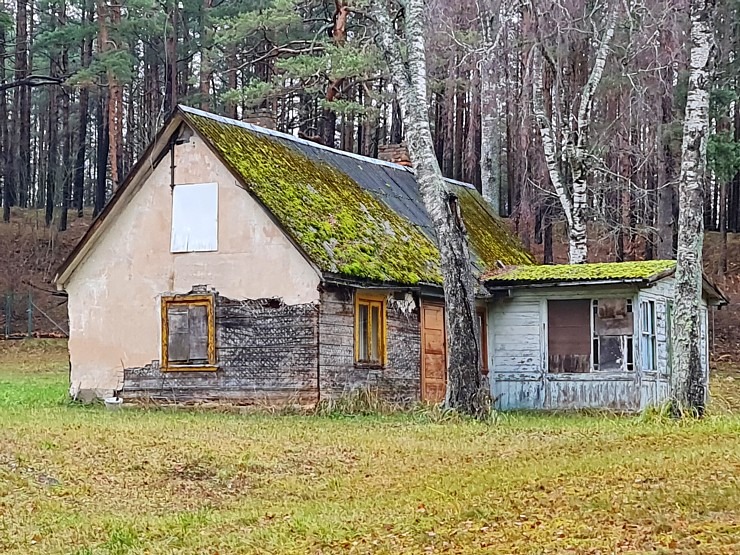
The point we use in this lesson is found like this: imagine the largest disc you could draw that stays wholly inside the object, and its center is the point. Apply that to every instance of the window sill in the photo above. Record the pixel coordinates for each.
(598, 376)
(370, 365)
(206, 368)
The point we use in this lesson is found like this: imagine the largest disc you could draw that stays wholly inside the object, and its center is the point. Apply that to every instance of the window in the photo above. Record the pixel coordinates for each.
(370, 328)
(569, 335)
(647, 335)
(482, 326)
(194, 218)
(188, 333)
(590, 335)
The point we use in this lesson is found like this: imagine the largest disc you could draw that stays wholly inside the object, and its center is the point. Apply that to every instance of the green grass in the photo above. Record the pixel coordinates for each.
(84, 480)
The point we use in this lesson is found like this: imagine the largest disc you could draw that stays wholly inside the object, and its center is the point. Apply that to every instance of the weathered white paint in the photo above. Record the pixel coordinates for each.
(114, 292)
(195, 218)
(517, 346)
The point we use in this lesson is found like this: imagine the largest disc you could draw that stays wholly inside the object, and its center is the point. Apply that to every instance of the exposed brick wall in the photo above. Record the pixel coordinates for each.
(266, 352)
(399, 380)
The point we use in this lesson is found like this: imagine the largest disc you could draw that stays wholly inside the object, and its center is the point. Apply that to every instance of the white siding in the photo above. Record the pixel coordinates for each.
(515, 336)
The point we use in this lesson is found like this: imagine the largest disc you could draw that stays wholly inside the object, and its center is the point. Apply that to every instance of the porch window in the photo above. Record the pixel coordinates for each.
(647, 335)
(590, 335)
(569, 335)
(194, 218)
(188, 333)
(370, 329)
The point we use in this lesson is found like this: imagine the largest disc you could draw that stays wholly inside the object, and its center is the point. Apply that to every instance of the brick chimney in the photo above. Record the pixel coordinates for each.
(396, 153)
(261, 116)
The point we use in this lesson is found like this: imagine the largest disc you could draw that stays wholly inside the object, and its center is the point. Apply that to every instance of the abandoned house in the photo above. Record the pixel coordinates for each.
(238, 263)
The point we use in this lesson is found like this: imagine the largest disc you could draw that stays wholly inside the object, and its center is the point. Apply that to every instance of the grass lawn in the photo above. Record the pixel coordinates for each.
(84, 480)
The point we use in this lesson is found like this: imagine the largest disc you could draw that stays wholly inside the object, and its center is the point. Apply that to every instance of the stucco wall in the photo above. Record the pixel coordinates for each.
(114, 310)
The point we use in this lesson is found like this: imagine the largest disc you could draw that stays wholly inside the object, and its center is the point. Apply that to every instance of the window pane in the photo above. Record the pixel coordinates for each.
(647, 353)
(375, 334)
(611, 357)
(178, 344)
(198, 322)
(569, 339)
(362, 332)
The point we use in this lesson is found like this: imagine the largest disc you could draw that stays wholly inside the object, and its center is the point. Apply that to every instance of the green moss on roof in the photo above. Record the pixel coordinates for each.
(489, 237)
(338, 224)
(582, 272)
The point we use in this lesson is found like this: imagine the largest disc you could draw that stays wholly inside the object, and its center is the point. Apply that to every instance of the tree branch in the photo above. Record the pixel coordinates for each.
(33, 81)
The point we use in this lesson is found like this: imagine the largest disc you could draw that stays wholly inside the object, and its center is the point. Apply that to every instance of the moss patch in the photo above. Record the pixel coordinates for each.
(339, 225)
(489, 237)
(583, 272)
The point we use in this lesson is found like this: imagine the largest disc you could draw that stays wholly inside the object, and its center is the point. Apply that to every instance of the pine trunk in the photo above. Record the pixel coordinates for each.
(688, 384)
(171, 60)
(51, 167)
(206, 69)
(66, 141)
(22, 111)
(5, 160)
(102, 155)
(84, 101)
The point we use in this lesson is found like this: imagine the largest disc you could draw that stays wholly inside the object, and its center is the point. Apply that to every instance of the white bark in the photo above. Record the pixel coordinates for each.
(573, 191)
(490, 136)
(688, 389)
(492, 126)
(465, 391)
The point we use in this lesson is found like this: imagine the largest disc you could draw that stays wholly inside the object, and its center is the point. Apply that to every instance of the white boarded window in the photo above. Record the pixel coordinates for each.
(194, 218)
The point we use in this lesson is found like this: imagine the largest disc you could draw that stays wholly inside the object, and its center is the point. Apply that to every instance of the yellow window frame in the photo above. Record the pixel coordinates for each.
(189, 300)
(371, 300)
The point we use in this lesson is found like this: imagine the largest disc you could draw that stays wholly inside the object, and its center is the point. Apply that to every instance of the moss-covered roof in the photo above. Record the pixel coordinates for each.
(350, 215)
(616, 271)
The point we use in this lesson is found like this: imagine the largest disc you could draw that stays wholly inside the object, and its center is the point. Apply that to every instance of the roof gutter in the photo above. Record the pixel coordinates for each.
(502, 286)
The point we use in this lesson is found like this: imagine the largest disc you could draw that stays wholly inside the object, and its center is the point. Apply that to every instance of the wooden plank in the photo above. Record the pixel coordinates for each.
(178, 345)
(198, 333)
(434, 356)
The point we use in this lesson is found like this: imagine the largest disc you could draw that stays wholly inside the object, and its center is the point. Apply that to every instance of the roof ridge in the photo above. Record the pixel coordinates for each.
(298, 140)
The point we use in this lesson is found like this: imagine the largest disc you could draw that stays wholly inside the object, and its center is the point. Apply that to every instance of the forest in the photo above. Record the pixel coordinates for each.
(86, 84)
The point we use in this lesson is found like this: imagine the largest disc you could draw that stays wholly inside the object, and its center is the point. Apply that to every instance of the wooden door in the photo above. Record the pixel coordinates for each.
(433, 352)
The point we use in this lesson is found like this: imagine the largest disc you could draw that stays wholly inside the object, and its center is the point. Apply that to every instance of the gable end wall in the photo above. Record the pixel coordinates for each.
(114, 307)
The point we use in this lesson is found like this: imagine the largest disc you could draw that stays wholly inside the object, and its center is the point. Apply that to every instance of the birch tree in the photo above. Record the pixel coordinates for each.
(494, 20)
(687, 377)
(465, 385)
(567, 156)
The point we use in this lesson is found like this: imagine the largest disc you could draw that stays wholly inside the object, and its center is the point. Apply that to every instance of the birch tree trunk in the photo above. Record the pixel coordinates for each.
(492, 125)
(466, 391)
(688, 386)
(572, 188)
